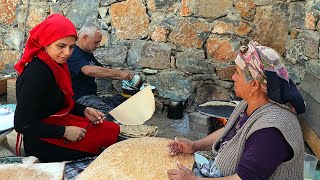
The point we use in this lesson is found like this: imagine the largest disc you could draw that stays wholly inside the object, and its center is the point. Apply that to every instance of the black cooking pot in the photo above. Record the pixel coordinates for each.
(175, 108)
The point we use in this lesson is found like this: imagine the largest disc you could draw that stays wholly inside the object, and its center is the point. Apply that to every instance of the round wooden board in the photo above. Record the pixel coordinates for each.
(144, 158)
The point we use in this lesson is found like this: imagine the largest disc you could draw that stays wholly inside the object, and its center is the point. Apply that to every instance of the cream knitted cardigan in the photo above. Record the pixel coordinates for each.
(269, 115)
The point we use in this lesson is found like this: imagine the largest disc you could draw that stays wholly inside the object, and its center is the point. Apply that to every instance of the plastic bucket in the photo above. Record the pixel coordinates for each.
(310, 165)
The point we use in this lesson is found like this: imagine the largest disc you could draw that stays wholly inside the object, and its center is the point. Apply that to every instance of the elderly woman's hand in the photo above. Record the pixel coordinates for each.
(94, 115)
(182, 173)
(181, 145)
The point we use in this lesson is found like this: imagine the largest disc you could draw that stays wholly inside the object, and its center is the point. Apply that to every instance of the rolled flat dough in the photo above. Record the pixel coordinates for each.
(136, 159)
(137, 109)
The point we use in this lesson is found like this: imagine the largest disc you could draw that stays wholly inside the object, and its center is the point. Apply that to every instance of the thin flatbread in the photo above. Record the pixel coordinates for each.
(23, 173)
(38, 171)
(138, 130)
(137, 159)
(137, 109)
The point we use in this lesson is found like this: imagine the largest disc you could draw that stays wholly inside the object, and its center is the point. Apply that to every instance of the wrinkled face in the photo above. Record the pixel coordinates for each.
(241, 87)
(92, 42)
(61, 50)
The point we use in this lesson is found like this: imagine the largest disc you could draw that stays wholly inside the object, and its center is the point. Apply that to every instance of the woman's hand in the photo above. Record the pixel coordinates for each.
(181, 145)
(182, 173)
(94, 115)
(74, 133)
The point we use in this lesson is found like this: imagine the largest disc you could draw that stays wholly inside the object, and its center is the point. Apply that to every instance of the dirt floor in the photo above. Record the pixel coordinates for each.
(171, 128)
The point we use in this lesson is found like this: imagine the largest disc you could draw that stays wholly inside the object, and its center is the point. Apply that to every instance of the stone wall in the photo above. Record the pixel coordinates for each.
(183, 47)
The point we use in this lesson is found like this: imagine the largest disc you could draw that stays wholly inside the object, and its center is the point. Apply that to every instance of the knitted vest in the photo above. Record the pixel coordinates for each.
(269, 115)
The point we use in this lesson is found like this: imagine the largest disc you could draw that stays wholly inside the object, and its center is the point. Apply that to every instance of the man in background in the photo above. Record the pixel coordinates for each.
(84, 68)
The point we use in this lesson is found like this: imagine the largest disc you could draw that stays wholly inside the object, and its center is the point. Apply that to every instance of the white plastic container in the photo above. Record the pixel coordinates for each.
(310, 165)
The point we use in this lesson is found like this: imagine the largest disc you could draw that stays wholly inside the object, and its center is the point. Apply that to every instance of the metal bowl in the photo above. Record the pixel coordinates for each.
(137, 81)
(129, 91)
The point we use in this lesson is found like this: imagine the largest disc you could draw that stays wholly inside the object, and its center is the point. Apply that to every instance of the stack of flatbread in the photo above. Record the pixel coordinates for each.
(135, 131)
(218, 103)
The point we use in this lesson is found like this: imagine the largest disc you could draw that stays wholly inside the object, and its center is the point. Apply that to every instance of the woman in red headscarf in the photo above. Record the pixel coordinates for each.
(54, 127)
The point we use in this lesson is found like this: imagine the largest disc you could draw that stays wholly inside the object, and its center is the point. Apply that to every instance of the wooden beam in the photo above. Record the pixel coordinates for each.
(310, 136)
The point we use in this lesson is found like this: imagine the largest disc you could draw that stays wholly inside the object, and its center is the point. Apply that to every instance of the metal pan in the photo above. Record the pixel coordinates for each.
(218, 110)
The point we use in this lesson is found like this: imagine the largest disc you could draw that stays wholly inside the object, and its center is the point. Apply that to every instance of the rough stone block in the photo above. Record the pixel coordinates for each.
(190, 32)
(272, 26)
(211, 92)
(225, 72)
(202, 128)
(201, 119)
(130, 20)
(221, 49)
(8, 11)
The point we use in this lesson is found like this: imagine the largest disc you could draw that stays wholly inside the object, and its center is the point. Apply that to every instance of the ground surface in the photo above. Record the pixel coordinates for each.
(170, 128)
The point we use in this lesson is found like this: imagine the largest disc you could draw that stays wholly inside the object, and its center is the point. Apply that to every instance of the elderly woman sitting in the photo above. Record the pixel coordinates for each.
(262, 139)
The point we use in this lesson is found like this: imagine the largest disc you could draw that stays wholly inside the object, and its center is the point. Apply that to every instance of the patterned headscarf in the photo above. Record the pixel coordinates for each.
(254, 59)
(265, 65)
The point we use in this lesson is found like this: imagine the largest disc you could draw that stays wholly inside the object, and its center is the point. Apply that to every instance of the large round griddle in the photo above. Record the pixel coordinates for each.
(218, 109)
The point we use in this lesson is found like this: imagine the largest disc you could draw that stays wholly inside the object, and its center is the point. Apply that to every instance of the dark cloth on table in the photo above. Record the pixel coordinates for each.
(264, 150)
(75, 167)
(45, 102)
(104, 103)
(82, 84)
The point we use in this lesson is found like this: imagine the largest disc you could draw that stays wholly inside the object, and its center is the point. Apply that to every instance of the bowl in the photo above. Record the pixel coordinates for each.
(4, 111)
(200, 159)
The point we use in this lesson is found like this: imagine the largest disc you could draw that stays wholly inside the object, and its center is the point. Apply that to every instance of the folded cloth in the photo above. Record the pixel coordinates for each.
(75, 167)
(207, 169)
(5, 149)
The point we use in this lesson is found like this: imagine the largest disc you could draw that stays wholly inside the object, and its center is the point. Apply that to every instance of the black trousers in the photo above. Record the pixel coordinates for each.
(47, 152)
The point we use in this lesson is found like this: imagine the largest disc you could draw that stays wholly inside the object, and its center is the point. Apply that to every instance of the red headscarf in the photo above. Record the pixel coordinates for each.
(50, 30)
